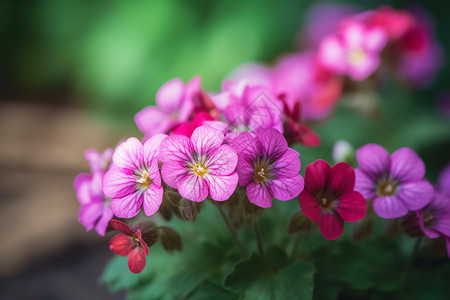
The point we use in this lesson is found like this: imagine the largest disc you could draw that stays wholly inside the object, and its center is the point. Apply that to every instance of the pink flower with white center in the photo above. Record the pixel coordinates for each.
(134, 181)
(200, 165)
(95, 211)
(267, 167)
(174, 105)
(354, 50)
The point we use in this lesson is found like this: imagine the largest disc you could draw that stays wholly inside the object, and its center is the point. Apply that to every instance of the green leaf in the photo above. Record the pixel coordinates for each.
(209, 291)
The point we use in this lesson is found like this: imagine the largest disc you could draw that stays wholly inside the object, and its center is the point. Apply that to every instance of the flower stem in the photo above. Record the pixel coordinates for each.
(295, 247)
(258, 237)
(233, 232)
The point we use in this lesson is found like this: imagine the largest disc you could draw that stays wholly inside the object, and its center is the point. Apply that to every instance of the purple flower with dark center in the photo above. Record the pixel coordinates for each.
(267, 167)
(395, 183)
(133, 180)
(200, 165)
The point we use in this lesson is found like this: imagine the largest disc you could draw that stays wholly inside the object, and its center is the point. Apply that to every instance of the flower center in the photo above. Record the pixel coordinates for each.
(136, 240)
(427, 219)
(325, 199)
(145, 180)
(386, 187)
(261, 174)
(200, 169)
(356, 56)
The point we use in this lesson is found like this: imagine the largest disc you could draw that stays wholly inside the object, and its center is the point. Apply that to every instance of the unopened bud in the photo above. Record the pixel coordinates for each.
(170, 239)
(343, 151)
(299, 223)
(189, 209)
(169, 206)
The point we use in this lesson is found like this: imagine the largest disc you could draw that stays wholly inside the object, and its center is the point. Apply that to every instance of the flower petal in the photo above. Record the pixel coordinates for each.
(416, 194)
(169, 95)
(245, 170)
(273, 144)
(128, 155)
(389, 207)
(127, 206)
(89, 214)
(286, 188)
(121, 227)
(342, 179)
(316, 176)
(121, 244)
(152, 199)
(151, 148)
(259, 195)
(193, 187)
(447, 244)
(245, 145)
(222, 187)
(406, 165)
(222, 161)
(352, 207)
(331, 54)
(331, 226)
(176, 148)
(82, 186)
(152, 120)
(288, 165)
(364, 184)
(117, 183)
(429, 231)
(102, 224)
(136, 260)
(373, 160)
(205, 139)
(309, 205)
(172, 172)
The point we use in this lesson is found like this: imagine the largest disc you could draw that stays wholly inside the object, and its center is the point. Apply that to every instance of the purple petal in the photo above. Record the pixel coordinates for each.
(309, 205)
(287, 165)
(127, 206)
(246, 145)
(152, 120)
(98, 161)
(416, 194)
(117, 184)
(152, 148)
(447, 244)
(222, 187)
(428, 231)
(222, 161)
(169, 95)
(364, 184)
(191, 92)
(152, 199)
(286, 188)
(373, 160)
(102, 224)
(406, 165)
(90, 214)
(259, 195)
(389, 207)
(176, 148)
(128, 155)
(245, 170)
(193, 187)
(273, 143)
(205, 139)
(331, 226)
(444, 180)
(82, 186)
(172, 172)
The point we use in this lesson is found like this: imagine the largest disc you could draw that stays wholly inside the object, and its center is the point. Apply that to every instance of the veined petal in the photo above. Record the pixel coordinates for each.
(172, 172)
(169, 95)
(416, 194)
(352, 207)
(152, 148)
(406, 165)
(309, 205)
(331, 225)
(245, 169)
(316, 176)
(286, 188)
(121, 244)
(117, 183)
(127, 206)
(221, 187)
(176, 148)
(246, 145)
(222, 161)
(128, 155)
(193, 187)
(272, 142)
(121, 227)
(259, 195)
(152, 120)
(136, 260)
(389, 207)
(152, 199)
(153, 170)
(288, 165)
(373, 160)
(342, 179)
(205, 139)
(364, 184)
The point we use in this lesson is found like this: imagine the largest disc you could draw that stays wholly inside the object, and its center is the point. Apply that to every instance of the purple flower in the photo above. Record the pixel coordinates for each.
(200, 165)
(267, 167)
(395, 183)
(95, 211)
(443, 180)
(434, 219)
(133, 180)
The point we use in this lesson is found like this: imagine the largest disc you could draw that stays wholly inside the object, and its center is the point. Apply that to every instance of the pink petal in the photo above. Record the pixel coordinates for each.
(193, 187)
(428, 231)
(89, 214)
(169, 95)
(342, 179)
(152, 120)
(309, 205)
(222, 187)
(375, 40)
(121, 244)
(245, 170)
(136, 260)
(365, 68)
(406, 165)
(172, 172)
(331, 54)
(354, 35)
(102, 224)
(121, 227)
(176, 148)
(152, 199)
(117, 183)
(82, 186)
(98, 161)
(364, 184)
(205, 139)
(352, 207)
(153, 171)
(128, 155)
(246, 145)
(288, 165)
(416, 194)
(258, 195)
(273, 143)
(447, 244)
(331, 226)
(191, 93)
(389, 207)
(127, 206)
(373, 160)
(316, 176)
(222, 161)
(286, 188)
(152, 148)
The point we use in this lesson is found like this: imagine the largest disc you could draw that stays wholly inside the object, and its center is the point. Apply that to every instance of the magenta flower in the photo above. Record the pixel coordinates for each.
(133, 181)
(129, 243)
(199, 166)
(267, 167)
(174, 105)
(395, 183)
(95, 211)
(329, 197)
(354, 50)
(443, 181)
(434, 218)
(187, 128)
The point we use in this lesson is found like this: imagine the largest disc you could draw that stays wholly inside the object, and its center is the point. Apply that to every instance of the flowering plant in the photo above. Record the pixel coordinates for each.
(228, 155)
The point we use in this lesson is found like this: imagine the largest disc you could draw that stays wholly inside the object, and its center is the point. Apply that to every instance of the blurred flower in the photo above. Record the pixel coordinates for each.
(95, 211)
(329, 198)
(395, 183)
(187, 128)
(129, 243)
(443, 181)
(199, 166)
(267, 167)
(343, 151)
(133, 181)
(394, 22)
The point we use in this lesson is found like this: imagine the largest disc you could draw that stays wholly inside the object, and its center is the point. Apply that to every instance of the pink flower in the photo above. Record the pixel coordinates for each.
(129, 243)
(187, 128)
(95, 211)
(199, 166)
(174, 105)
(443, 181)
(133, 180)
(329, 198)
(267, 167)
(395, 183)
(394, 22)
(353, 50)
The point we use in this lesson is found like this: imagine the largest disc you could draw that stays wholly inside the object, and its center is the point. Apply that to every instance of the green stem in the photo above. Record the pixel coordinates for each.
(233, 232)
(258, 237)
